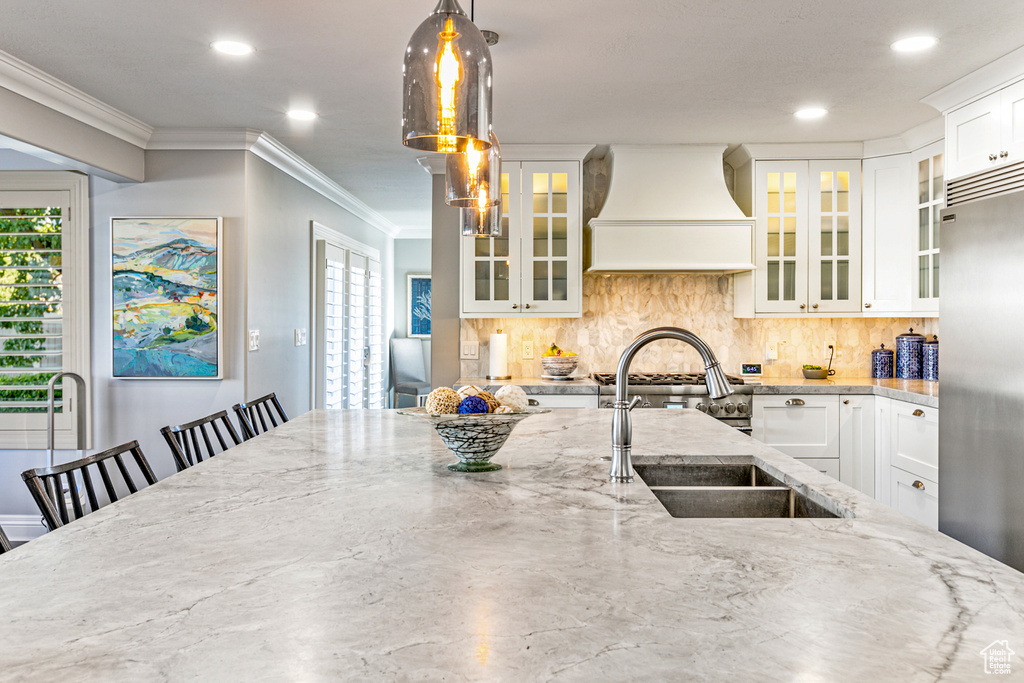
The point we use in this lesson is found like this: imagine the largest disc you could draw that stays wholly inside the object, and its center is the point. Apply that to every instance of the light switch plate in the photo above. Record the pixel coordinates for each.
(300, 336)
(470, 350)
(528, 350)
(254, 340)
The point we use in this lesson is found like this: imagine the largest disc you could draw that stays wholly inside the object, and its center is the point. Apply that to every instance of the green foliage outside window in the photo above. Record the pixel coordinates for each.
(26, 235)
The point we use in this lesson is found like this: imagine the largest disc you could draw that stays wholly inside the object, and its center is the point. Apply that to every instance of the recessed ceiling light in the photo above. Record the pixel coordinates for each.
(302, 115)
(811, 113)
(914, 44)
(231, 47)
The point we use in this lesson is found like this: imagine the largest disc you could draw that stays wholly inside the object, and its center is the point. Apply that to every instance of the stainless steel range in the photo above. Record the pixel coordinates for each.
(681, 390)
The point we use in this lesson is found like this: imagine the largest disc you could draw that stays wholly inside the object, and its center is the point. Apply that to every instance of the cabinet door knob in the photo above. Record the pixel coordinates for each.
(1003, 155)
(795, 402)
(918, 413)
(803, 306)
(846, 401)
(992, 157)
(814, 306)
(867, 305)
(526, 306)
(918, 484)
(515, 306)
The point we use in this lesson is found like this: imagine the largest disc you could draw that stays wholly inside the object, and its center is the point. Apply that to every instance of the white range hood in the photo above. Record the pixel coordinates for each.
(668, 210)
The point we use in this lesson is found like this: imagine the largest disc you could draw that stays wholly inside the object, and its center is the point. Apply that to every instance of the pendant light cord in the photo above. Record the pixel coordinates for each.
(472, 10)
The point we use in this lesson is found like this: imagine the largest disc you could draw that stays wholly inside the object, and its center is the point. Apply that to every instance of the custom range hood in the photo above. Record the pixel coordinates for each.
(668, 210)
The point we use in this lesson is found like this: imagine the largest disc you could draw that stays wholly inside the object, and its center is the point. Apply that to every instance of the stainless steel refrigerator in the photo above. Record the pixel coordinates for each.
(981, 376)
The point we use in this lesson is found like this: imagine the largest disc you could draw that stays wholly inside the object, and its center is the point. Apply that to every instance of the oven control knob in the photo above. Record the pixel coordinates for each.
(714, 408)
(702, 407)
(730, 408)
(743, 408)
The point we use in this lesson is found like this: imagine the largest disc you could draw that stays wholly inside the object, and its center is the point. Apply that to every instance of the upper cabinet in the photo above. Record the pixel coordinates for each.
(534, 268)
(986, 133)
(807, 236)
(929, 199)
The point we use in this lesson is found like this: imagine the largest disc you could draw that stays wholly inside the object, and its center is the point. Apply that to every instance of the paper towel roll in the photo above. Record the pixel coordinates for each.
(499, 357)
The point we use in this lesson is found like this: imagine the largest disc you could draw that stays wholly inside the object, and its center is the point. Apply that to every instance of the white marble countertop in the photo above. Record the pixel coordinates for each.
(911, 390)
(338, 547)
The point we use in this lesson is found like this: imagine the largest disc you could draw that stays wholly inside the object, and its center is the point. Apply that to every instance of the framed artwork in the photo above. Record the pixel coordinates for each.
(418, 305)
(165, 286)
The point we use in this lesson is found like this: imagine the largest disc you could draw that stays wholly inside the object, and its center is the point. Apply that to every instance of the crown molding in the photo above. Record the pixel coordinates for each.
(42, 88)
(979, 83)
(203, 139)
(531, 152)
(282, 158)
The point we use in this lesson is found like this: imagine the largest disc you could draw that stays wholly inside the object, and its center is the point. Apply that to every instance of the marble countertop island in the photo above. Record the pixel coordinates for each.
(339, 547)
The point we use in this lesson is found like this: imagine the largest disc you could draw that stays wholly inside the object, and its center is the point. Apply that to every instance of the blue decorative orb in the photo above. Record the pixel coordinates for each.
(472, 404)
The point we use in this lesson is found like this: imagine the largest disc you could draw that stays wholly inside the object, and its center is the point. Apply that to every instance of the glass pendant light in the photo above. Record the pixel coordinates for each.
(481, 222)
(473, 178)
(447, 84)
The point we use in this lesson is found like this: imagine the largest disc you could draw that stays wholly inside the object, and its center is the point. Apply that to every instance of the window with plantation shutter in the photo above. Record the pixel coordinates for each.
(44, 294)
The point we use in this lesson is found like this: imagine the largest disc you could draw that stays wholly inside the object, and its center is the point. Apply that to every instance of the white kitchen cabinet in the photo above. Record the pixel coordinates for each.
(888, 266)
(802, 426)
(915, 439)
(807, 236)
(986, 133)
(916, 497)
(857, 442)
(534, 268)
(883, 447)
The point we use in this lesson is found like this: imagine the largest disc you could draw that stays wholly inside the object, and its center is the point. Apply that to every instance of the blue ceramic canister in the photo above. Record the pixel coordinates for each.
(930, 359)
(881, 363)
(908, 355)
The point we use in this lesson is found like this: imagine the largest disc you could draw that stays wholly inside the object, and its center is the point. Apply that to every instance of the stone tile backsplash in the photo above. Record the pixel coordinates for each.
(618, 307)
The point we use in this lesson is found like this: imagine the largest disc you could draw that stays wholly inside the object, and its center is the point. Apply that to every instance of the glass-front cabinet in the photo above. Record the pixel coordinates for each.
(930, 200)
(808, 236)
(534, 268)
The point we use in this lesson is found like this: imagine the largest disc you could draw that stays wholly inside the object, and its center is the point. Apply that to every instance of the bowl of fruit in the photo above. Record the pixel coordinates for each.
(558, 363)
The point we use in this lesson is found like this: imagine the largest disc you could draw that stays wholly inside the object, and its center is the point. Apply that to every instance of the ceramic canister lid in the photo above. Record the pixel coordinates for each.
(911, 336)
(882, 351)
(933, 340)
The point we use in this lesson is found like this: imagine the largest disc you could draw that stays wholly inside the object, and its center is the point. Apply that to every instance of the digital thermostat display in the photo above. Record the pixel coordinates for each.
(750, 369)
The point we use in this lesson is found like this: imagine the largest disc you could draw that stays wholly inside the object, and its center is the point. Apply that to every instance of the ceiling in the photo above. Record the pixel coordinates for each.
(572, 71)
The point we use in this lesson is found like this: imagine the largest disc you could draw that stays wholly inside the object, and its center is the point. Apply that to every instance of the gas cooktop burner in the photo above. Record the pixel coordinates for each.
(660, 378)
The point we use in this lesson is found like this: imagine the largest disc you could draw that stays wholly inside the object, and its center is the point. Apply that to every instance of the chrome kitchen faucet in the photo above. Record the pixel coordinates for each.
(622, 424)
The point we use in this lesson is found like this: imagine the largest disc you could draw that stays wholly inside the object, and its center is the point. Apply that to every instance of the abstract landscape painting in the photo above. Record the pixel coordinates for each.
(166, 287)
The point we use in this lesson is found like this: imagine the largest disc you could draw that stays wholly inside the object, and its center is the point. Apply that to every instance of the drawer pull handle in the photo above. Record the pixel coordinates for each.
(795, 402)
(918, 484)
(918, 413)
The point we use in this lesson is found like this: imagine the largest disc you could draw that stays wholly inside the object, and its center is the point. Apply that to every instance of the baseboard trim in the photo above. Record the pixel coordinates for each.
(22, 528)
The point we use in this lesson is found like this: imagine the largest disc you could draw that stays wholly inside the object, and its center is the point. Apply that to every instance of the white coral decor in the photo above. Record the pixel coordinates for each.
(513, 397)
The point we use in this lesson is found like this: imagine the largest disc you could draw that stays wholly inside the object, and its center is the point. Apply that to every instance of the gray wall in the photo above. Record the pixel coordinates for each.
(178, 184)
(445, 267)
(411, 256)
(280, 210)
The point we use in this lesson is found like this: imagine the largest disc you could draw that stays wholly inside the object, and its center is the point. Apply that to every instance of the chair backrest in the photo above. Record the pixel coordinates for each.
(259, 415)
(407, 362)
(58, 490)
(5, 544)
(191, 444)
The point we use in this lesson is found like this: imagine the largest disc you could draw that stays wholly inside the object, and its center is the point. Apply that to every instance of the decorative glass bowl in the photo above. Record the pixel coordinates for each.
(559, 366)
(474, 439)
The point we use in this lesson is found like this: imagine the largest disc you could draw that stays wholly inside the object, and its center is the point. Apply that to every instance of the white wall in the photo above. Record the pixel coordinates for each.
(280, 277)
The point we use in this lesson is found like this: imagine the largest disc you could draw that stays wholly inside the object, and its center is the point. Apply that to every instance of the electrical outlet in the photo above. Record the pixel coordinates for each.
(254, 340)
(300, 336)
(527, 350)
(470, 350)
(771, 350)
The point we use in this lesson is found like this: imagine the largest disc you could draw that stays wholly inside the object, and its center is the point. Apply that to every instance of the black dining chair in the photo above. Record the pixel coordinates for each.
(260, 415)
(58, 490)
(191, 443)
(5, 544)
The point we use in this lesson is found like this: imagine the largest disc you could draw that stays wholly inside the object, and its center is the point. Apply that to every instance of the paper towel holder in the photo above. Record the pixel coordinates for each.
(499, 365)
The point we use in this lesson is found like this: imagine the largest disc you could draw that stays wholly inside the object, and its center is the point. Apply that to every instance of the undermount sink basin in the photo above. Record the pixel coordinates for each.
(718, 490)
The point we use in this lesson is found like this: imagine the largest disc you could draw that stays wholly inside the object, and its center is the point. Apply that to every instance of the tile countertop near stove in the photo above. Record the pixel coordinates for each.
(915, 391)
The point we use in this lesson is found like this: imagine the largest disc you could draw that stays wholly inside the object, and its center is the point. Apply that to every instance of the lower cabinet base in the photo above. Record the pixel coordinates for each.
(916, 497)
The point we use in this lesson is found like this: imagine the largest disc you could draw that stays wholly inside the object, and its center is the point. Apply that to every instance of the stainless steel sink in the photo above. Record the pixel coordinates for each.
(706, 490)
